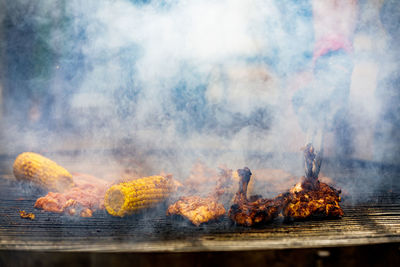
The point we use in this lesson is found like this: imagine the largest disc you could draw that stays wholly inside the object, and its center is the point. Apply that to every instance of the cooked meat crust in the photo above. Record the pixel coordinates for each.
(254, 210)
(197, 209)
(310, 199)
(202, 209)
(86, 197)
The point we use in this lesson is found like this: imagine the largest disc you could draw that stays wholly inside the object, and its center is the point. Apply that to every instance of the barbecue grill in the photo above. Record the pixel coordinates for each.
(154, 76)
(370, 225)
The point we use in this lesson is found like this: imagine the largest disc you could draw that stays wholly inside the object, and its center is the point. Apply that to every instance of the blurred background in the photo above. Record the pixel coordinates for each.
(193, 78)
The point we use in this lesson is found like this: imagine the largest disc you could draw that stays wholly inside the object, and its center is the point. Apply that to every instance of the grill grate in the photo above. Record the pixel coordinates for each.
(373, 221)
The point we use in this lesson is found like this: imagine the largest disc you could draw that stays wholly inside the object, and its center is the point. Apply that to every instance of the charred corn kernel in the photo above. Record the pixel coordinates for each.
(42, 171)
(129, 197)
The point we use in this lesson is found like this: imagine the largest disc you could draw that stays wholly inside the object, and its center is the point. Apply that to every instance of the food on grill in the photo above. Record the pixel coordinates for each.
(268, 181)
(254, 210)
(207, 182)
(200, 210)
(312, 198)
(26, 215)
(42, 171)
(197, 209)
(129, 197)
(82, 200)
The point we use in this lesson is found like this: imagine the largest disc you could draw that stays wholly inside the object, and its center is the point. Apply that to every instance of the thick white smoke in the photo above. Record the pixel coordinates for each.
(199, 69)
(173, 81)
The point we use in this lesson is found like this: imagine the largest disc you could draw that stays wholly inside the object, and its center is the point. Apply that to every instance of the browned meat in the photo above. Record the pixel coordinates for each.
(310, 199)
(53, 202)
(196, 209)
(254, 210)
(87, 196)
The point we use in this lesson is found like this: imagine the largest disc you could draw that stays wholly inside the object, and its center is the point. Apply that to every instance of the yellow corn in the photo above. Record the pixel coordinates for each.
(42, 171)
(129, 197)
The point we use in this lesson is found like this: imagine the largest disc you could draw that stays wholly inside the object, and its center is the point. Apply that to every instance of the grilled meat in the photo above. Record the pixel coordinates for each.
(253, 210)
(311, 198)
(200, 210)
(267, 181)
(84, 198)
(197, 209)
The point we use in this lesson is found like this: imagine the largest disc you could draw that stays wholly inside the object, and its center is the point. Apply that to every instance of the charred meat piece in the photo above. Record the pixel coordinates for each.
(84, 198)
(200, 210)
(197, 209)
(254, 210)
(311, 198)
(268, 181)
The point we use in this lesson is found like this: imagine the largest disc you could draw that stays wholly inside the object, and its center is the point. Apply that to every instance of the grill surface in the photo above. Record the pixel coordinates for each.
(377, 221)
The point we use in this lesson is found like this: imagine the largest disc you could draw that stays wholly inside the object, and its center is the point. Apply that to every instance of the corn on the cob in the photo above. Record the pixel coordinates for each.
(42, 171)
(129, 197)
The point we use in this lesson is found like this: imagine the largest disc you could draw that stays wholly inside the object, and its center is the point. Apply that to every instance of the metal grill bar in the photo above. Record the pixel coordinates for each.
(375, 221)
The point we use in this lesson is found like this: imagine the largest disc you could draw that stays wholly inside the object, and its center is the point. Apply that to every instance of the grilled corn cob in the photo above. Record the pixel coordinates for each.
(42, 171)
(129, 197)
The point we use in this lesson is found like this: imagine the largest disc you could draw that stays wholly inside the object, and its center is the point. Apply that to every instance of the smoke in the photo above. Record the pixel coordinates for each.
(173, 82)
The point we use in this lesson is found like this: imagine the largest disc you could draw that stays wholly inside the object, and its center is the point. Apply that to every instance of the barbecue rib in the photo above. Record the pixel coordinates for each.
(254, 210)
(311, 198)
(200, 210)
